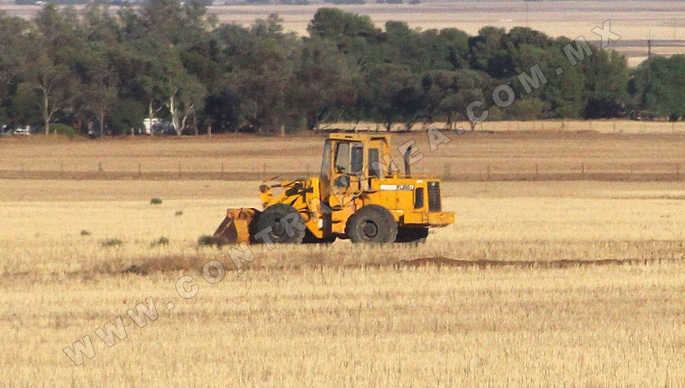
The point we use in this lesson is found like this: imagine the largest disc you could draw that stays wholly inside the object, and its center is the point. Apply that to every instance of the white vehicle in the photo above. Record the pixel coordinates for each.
(150, 125)
(22, 131)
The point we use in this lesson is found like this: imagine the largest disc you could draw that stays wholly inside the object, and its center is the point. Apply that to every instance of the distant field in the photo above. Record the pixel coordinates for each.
(634, 21)
(602, 150)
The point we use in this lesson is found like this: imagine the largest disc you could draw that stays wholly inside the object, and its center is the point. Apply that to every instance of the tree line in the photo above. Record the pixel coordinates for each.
(173, 60)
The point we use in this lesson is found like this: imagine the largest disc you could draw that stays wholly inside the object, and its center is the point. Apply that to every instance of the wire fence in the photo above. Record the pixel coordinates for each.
(452, 171)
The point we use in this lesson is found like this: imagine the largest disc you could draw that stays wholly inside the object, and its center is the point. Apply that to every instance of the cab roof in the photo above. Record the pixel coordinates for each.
(360, 136)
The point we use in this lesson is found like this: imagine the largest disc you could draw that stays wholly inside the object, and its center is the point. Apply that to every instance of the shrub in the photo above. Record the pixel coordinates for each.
(85, 233)
(178, 213)
(111, 242)
(62, 129)
(205, 240)
(162, 241)
(156, 201)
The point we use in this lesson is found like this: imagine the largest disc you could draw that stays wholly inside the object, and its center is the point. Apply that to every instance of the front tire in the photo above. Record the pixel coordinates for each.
(372, 224)
(285, 222)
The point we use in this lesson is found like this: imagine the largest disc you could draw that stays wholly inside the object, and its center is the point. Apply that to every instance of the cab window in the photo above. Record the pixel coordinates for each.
(326, 163)
(357, 158)
(342, 158)
(374, 162)
(349, 157)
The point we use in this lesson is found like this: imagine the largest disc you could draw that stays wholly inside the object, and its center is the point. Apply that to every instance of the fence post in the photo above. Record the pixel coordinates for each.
(179, 168)
(264, 168)
(677, 172)
(140, 170)
(100, 170)
(447, 173)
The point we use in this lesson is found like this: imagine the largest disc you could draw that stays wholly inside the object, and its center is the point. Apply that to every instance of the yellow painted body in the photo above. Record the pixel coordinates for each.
(328, 201)
(384, 187)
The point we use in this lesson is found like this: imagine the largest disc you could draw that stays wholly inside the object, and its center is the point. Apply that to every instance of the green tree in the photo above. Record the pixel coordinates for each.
(487, 53)
(563, 94)
(261, 61)
(56, 85)
(659, 85)
(164, 37)
(394, 94)
(55, 54)
(447, 94)
(15, 35)
(606, 79)
(324, 82)
(354, 35)
(428, 50)
(100, 79)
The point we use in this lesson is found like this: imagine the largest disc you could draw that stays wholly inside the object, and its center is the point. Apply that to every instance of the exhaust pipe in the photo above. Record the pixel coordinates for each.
(407, 157)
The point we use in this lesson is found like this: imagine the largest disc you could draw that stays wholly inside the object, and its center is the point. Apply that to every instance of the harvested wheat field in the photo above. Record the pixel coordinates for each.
(543, 281)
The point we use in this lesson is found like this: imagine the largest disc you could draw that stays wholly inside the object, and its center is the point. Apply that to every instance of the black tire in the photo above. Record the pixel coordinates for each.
(309, 238)
(372, 224)
(271, 217)
(412, 235)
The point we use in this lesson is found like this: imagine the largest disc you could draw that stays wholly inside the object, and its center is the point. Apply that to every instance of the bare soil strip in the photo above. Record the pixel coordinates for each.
(541, 264)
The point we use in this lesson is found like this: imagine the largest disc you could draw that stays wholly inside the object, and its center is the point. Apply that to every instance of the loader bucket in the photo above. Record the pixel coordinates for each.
(236, 227)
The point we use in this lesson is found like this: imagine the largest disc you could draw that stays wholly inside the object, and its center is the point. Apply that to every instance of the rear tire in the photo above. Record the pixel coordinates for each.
(271, 217)
(412, 235)
(372, 224)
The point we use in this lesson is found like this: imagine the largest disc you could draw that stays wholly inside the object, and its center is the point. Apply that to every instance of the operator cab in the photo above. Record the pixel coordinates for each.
(350, 161)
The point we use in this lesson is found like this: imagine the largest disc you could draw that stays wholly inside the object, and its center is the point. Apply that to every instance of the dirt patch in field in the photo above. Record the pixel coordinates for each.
(165, 264)
(194, 264)
(447, 262)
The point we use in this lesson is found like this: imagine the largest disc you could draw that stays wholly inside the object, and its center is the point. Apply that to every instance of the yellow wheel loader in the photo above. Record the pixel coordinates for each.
(359, 195)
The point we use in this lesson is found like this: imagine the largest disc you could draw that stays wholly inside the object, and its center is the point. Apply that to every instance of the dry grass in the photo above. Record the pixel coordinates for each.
(524, 290)
(332, 327)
